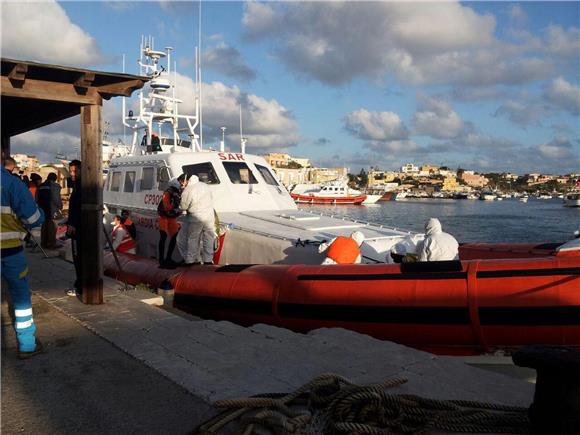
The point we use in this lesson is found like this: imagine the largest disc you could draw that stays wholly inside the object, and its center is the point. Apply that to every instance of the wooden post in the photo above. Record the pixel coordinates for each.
(5, 145)
(92, 205)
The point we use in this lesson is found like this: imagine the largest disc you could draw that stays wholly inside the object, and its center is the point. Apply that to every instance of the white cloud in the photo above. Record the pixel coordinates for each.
(401, 148)
(45, 145)
(266, 123)
(560, 148)
(43, 32)
(517, 15)
(522, 114)
(375, 126)
(227, 60)
(435, 118)
(419, 43)
(562, 42)
(564, 95)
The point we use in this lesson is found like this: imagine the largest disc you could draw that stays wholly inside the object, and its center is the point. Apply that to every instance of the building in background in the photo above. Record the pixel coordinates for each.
(409, 169)
(26, 163)
(474, 180)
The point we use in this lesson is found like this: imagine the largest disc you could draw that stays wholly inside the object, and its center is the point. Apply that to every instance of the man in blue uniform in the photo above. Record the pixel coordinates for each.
(19, 213)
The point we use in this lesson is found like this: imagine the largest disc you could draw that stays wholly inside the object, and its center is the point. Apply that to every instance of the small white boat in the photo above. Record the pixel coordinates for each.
(334, 192)
(524, 198)
(400, 195)
(572, 199)
(486, 196)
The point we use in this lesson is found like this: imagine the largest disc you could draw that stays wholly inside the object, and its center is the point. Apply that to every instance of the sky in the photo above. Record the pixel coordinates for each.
(487, 86)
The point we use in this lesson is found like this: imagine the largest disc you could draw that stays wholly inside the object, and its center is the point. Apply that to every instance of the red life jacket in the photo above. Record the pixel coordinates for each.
(127, 242)
(343, 250)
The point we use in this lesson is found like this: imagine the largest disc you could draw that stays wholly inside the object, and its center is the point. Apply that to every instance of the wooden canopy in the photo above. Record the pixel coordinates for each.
(35, 95)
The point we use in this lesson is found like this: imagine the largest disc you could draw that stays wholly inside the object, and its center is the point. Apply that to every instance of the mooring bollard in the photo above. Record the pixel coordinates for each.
(165, 290)
(556, 407)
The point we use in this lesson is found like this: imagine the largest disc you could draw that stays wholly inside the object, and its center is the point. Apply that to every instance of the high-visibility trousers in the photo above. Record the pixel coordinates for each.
(15, 272)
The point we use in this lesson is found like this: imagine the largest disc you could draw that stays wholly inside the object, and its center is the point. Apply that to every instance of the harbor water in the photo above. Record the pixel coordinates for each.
(507, 221)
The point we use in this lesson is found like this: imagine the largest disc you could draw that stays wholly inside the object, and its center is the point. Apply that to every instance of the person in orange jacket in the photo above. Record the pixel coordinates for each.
(122, 240)
(343, 250)
(168, 211)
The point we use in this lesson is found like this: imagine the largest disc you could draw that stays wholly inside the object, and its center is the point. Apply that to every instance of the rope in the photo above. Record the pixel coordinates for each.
(338, 406)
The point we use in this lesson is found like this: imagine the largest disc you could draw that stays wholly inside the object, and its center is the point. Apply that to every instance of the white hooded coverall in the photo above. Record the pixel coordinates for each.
(197, 235)
(437, 246)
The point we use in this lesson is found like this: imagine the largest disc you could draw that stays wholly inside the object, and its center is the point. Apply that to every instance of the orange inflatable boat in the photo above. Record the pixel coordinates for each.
(455, 307)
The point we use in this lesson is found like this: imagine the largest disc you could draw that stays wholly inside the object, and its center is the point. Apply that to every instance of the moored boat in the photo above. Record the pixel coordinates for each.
(259, 220)
(457, 307)
(335, 192)
(572, 199)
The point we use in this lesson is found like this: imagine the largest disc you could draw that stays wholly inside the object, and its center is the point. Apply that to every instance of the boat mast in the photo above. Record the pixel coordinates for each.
(158, 106)
(199, 83)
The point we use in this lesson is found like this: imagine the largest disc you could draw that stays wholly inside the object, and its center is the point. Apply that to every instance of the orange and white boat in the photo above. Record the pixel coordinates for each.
(450, 307)
(334, 193)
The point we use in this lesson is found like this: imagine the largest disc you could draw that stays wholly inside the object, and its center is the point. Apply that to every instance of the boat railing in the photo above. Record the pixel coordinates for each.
(356, 221)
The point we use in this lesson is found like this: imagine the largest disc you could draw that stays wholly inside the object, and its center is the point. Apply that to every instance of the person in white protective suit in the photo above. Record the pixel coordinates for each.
(437, 245)
(195, 240)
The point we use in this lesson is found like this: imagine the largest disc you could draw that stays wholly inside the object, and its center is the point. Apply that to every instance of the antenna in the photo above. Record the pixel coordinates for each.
(242, 139)
(223, 142)
(199, 74)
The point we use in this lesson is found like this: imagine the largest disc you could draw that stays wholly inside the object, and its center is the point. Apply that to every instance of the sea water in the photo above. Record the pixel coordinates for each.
(507, 221)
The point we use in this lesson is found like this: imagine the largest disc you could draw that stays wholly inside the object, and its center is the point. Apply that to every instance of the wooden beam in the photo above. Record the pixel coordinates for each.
(5, 145)
(50, 91)
(120, 89)
(85, 81)
(92, 205)
(18, 73)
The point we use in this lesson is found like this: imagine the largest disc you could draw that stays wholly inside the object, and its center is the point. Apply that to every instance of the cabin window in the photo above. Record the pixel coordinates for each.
(163, 177)
(204, 171)
(116, 182)
(129, 181)
(147, 179)
(267, 175)
(239, 173)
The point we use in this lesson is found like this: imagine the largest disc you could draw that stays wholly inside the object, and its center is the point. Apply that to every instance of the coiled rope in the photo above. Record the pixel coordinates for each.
(338, 406)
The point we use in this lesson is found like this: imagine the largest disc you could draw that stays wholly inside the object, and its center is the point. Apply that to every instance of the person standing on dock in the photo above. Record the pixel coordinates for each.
(35, 181)
(343, 250)
(19, 214)
(48, 196)
(437, 245)
(74, 228)
(197, 236)
(168, 211)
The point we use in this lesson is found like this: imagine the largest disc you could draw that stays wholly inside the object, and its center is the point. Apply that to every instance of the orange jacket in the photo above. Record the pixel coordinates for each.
(127, 242)
(343, 250)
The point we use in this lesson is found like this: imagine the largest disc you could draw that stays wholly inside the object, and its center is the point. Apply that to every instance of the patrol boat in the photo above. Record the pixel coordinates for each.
(259, 222)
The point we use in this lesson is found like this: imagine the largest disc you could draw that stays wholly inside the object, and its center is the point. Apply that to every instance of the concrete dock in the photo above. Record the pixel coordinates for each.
(127, 366)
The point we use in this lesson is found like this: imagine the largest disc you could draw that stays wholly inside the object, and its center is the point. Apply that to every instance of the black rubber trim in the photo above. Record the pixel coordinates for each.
(531, 316)
(528, 272)
(191, 303)
(384, 276)
(432, 267)
(425, 276)
(550, 246)
(234, 268)
(372, 314)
